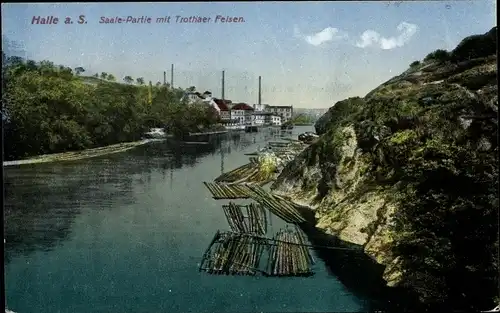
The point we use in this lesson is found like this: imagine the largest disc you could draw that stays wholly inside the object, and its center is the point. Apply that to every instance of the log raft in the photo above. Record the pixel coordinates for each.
(240, 254)
(228, 191)
(282, 208)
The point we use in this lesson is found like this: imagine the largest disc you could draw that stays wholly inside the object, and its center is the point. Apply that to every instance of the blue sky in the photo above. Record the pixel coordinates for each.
(309, 54)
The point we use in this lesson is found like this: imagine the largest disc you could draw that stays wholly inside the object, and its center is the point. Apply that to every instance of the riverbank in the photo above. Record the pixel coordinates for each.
(78, 155)
(94, 152)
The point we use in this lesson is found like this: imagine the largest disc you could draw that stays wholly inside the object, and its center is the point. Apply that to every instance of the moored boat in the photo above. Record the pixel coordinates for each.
(156, 133)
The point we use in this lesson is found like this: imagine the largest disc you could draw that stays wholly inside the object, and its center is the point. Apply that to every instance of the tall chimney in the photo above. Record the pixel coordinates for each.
(164, 77)
(150, 92)
(223, 86)
(172, 77)
(260, 79)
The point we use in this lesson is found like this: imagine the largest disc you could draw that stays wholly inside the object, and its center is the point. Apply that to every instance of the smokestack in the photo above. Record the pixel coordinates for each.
(260, 79)
(172, 77)
(223, 86)
(150, 93)
(164, 78)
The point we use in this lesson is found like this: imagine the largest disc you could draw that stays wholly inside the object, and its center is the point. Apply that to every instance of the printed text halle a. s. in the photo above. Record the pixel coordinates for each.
(52, 20)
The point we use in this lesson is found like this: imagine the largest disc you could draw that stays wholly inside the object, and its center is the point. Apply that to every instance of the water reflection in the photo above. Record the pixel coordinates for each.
(43, 200)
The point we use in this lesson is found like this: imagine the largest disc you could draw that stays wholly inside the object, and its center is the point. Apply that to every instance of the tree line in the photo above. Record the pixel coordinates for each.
(48, 109)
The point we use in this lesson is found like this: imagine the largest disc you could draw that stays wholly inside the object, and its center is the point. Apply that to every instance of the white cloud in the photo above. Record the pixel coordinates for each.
(327, 34)
(372, 38)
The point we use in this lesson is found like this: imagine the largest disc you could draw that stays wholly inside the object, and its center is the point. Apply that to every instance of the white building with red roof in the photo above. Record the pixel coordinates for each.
(243, 113)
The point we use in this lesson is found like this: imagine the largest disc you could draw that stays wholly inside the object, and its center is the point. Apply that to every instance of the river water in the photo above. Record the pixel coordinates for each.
(126, 232)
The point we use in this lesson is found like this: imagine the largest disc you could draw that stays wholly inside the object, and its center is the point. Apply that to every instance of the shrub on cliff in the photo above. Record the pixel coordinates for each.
(476, 46)
(415, 63)
(438, 55)
(341, 113)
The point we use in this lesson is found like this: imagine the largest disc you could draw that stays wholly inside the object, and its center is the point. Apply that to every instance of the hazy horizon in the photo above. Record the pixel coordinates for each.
(310, 55)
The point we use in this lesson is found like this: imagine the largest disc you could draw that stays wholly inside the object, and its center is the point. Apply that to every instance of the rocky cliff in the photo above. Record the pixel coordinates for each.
(399, 170)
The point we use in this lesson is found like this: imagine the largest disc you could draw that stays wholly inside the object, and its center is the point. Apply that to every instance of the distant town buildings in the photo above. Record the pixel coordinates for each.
(286, 112)
(223, 105)
(259, 107)
(242, 113)
(193, 98)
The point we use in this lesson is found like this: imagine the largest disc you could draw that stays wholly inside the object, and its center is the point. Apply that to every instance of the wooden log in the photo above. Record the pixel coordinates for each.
(286, 264)
(270, 204)
(289, 254)
(246, 256)
(234, 215)
(216, 258)
(229, 254)
(270, 259)
(264, 219)
(239, 218)
(258, 224)
(229, 218)
(278, 258)
(298, 255)
(207, 251)
(302, 241)
(281, 255)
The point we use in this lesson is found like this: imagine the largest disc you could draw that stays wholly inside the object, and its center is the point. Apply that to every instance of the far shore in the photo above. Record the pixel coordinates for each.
(82, 154)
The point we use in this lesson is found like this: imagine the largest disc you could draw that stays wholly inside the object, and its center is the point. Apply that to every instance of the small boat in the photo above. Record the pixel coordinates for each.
(156, 133)
(308, 137)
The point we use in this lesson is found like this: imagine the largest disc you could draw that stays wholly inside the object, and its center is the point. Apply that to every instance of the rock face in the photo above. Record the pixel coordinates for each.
(356, 176)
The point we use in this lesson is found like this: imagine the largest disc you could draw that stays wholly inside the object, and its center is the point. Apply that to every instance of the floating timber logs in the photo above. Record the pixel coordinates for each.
(261, 178)
(233, 254)
(291, 139)
(289, 258)
(255, 221)
(240, 254)
(282, 208)
(248, 173)
(278, 144)
(228, 191)
(238, 173)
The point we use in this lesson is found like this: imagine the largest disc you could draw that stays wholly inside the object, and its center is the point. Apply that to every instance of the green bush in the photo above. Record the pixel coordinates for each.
(438, 55)
(476, 46)
(415, 63)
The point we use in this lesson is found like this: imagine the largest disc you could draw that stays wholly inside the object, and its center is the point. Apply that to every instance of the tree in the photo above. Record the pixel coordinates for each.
(158, 84)
(439, 55)
(79, 70)
(191, 89)
(31, 65)
(46, 67)
(140, 81)
(47, 110)
(96, 75)
(15, 60)
(415, 63)
(128, 79)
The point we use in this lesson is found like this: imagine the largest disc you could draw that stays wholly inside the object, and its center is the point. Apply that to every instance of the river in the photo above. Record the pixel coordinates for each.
(126, 232)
